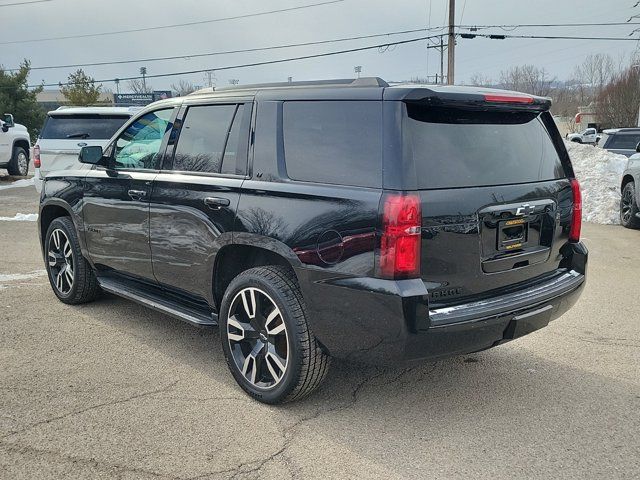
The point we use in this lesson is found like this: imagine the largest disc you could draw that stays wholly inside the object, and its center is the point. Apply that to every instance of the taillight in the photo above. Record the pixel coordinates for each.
(576, 214)
(400, 240)
(36, 156)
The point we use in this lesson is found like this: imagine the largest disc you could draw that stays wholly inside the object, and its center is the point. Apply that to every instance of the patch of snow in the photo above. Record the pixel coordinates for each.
(600, 174)
(21, 217)
(25, 182)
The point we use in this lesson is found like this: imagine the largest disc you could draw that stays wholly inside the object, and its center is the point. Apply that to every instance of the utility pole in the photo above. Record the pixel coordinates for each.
(143, 72)
(441, 59)
(358, 69)
(452, 43)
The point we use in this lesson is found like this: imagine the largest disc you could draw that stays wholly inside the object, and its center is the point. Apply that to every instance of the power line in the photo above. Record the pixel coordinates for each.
(501, 36)
(23, 3)
(525, 25)
(176, 25)
(255, 64)
(226, 52)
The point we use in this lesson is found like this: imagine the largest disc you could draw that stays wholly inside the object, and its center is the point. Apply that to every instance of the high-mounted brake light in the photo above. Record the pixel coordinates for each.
(400, 241)
(508, 99)
(576, 214)
(36, 156)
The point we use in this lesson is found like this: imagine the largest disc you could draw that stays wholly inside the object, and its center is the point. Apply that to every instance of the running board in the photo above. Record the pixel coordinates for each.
(156, 302)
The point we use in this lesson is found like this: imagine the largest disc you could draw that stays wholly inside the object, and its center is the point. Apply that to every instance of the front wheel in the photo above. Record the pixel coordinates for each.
(267, 342)
(629, 207)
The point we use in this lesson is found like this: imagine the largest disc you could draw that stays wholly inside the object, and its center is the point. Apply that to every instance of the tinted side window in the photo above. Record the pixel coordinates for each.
(139, 144)
(202, 138)
(232, 149)
(337, 142)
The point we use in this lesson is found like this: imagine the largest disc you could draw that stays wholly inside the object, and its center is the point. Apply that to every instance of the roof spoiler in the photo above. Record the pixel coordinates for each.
(479, 100)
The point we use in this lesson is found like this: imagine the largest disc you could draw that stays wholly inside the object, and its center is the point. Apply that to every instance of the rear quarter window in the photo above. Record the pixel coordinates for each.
(335, 142)
(459, 148)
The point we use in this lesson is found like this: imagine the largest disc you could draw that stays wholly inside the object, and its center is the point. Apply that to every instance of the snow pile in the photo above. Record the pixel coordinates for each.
(600, 174)
(21, 217)
(25, 182)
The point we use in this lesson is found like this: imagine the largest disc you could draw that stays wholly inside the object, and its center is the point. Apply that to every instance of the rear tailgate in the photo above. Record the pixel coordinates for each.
(495, 195)
(63, 135)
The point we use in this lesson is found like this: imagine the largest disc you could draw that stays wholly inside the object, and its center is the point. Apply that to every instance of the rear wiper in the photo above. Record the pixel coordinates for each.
(78, 135)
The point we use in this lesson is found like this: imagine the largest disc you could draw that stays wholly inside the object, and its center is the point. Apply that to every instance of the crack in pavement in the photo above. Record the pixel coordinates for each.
(91, 462)
(93, 407)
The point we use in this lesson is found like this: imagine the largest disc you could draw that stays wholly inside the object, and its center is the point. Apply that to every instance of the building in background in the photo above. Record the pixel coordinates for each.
(52, 99)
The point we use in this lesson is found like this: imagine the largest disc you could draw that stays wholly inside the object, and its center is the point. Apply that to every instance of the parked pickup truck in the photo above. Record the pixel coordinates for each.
(590, 135)
(14, 146)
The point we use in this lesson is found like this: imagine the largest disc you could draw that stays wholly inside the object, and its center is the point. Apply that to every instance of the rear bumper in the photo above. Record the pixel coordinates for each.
(381, 321)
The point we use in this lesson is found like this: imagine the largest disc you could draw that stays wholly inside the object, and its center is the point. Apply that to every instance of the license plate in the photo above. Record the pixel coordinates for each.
(512, 234)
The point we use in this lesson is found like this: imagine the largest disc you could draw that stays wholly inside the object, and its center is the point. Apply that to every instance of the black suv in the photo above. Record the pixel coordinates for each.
(347, 219)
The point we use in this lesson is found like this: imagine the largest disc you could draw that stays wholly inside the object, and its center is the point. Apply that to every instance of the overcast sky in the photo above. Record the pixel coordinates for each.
(347, 18)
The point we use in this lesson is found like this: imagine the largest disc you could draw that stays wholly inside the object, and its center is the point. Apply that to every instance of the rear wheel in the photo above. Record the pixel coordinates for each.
(576, 140)
(267, 342)
(70, 275)
(19, 164)
(629, 207)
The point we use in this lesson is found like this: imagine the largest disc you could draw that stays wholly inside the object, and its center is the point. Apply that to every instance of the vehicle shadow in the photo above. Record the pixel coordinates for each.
(508, 408)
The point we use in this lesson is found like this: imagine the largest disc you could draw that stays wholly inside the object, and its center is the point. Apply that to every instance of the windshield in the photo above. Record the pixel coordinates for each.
(624, 141)
(458, 148)
(95, 127)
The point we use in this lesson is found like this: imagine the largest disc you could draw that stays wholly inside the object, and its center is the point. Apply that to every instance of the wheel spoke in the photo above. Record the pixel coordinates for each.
(269, 324)
(235, 336)
(53, 261)
(56, 239)
(67, 249)
(249, 302)
(59, 281)
(275, 364)
(68, 273)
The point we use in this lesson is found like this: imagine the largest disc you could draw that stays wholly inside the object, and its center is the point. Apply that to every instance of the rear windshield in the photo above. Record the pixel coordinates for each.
(457, 148)
(96, 127)
(624, 141)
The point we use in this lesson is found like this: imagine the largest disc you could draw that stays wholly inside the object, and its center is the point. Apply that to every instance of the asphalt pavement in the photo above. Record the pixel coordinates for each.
(112, 389)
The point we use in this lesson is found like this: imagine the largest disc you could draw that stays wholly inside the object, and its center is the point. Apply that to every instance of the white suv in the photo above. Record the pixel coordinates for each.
(68, 129)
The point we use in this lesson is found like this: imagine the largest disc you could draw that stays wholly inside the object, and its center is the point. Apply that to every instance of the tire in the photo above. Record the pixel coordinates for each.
(629, 207)
(79, 286)
(273, 296)
(19, 164)
(576, 140)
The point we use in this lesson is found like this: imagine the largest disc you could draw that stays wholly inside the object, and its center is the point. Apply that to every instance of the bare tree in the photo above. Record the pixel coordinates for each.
(617, 104)
(528, 79)
(480, 80)
(138, 86)
(592, 75)
(183, 87)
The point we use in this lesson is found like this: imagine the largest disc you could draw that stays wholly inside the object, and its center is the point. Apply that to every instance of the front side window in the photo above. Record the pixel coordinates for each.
(138, 146)
(203, 137)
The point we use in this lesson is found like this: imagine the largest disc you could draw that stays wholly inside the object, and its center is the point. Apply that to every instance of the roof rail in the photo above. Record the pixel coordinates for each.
(344, 82)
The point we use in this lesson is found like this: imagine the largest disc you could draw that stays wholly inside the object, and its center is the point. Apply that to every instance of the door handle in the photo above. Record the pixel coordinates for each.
(216, 203)
(137, 194)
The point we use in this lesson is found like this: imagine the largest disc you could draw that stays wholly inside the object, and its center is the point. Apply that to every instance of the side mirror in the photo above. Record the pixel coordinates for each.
(8, 120)
(638, 147)
(91, 155)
